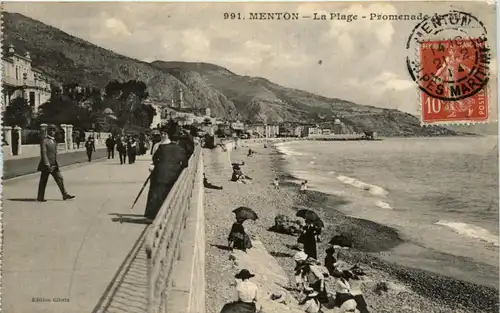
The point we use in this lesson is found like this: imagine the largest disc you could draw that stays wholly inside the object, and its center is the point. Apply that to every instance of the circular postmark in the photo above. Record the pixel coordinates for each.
(448, 56)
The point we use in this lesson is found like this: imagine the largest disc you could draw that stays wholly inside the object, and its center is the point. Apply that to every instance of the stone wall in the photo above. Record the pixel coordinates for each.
(187, 293)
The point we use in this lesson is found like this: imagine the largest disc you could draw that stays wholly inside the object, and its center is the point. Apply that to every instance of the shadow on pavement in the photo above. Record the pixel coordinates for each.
(30, 199)
(121, 214)
(127, 291)
(22, 199)
(129, 220)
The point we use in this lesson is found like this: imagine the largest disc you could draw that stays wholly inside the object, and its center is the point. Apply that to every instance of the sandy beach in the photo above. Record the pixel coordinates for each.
(410, 290)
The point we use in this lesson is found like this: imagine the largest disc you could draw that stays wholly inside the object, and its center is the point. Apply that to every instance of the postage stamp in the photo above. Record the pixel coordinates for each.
(449, 60)
(454, 80)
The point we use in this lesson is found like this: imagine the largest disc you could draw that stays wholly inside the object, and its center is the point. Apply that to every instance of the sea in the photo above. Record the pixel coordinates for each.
(441, 194)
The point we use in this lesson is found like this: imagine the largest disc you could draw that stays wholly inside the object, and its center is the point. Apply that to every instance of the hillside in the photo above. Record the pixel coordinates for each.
(67, 59)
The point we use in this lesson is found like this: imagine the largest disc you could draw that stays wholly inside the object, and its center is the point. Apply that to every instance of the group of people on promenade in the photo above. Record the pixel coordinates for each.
(127, 146)
(170, 154)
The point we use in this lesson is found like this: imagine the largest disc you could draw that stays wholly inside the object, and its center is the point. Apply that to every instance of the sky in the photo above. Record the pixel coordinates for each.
(361, 61)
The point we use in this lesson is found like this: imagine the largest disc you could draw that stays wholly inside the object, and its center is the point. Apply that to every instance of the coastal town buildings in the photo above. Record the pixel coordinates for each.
(178, 112)
(20, 79)
(263, 130)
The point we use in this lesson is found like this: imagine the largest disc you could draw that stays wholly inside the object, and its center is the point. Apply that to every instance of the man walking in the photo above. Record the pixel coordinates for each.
(90, 147)
(48, 165)
(168, 162)
(121, 148)
(132, 150)
(110, 144)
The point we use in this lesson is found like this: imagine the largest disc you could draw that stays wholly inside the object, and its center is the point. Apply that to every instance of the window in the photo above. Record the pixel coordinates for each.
(17, 73)
(32, 99)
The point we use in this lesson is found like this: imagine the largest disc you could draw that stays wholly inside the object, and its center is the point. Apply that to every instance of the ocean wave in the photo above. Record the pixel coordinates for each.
(471, 231)
(372, 189)
(287, 151)
(383, 205)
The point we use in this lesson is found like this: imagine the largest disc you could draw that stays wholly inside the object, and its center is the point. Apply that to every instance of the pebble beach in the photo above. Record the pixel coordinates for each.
(387, 287)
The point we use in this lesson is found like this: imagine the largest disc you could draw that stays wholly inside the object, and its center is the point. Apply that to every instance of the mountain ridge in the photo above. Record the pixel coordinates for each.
(68, 59)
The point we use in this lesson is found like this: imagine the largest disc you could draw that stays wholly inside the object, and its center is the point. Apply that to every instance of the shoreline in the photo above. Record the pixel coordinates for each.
(434, 293)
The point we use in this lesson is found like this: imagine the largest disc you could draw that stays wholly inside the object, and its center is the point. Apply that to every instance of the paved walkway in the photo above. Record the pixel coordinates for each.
(30, 151)
(74, 256)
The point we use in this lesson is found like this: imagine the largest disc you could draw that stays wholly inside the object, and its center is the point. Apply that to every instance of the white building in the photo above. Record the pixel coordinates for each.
(19, 77)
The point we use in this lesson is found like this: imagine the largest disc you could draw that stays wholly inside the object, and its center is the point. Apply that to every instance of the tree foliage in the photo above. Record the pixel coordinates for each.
(127, 100)
(18, 113)
(83, 106)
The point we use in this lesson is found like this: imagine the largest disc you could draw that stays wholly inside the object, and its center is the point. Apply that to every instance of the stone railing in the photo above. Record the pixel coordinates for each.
(165, 241)
(13, 147)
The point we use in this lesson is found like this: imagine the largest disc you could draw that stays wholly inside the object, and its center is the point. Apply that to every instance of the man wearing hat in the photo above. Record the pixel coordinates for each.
(48, 165)
(168, 162)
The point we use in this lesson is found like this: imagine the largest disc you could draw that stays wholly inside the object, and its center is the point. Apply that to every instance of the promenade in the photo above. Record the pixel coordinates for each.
(24, 165)
(74, 256)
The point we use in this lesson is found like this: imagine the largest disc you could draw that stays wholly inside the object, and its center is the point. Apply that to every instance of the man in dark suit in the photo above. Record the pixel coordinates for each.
(48, 165)
(110, 144)
(168, 162)
(121, 148)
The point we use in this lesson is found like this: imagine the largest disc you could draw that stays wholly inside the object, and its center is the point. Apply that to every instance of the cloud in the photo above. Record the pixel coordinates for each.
(196, 44)
(116, 27)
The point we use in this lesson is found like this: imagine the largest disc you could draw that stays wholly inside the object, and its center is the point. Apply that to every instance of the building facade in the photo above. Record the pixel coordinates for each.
(21, 79)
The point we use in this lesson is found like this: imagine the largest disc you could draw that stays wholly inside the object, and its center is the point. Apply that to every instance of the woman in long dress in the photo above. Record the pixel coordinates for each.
(238, 238)
(308, 238)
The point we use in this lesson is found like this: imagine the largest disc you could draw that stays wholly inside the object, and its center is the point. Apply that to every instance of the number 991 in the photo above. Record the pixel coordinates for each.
(232, 16)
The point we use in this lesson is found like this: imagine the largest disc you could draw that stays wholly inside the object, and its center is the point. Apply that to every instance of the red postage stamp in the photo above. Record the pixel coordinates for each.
(453, 81)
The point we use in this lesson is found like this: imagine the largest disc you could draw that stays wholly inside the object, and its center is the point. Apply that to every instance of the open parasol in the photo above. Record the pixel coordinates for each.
(308, 215)
(245, 213)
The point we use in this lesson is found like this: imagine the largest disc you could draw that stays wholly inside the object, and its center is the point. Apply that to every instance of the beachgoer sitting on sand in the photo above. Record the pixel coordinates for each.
(276, 183)
(238, 238)
(238, 175)
(246, 295)
(314, 278)
(346, 291)
(208, 185)
(311, 303)
(250, 152)
(300, 259)
(303, 186)
(357, 294)
(342, 288)
(246, 291)
(330, 259)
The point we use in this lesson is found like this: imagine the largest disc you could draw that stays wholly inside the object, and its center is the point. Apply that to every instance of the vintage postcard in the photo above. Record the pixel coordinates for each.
(204, 157)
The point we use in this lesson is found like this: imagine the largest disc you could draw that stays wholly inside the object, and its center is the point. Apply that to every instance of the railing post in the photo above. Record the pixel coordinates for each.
(7, 135)
(19, 138)
(150, 280)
